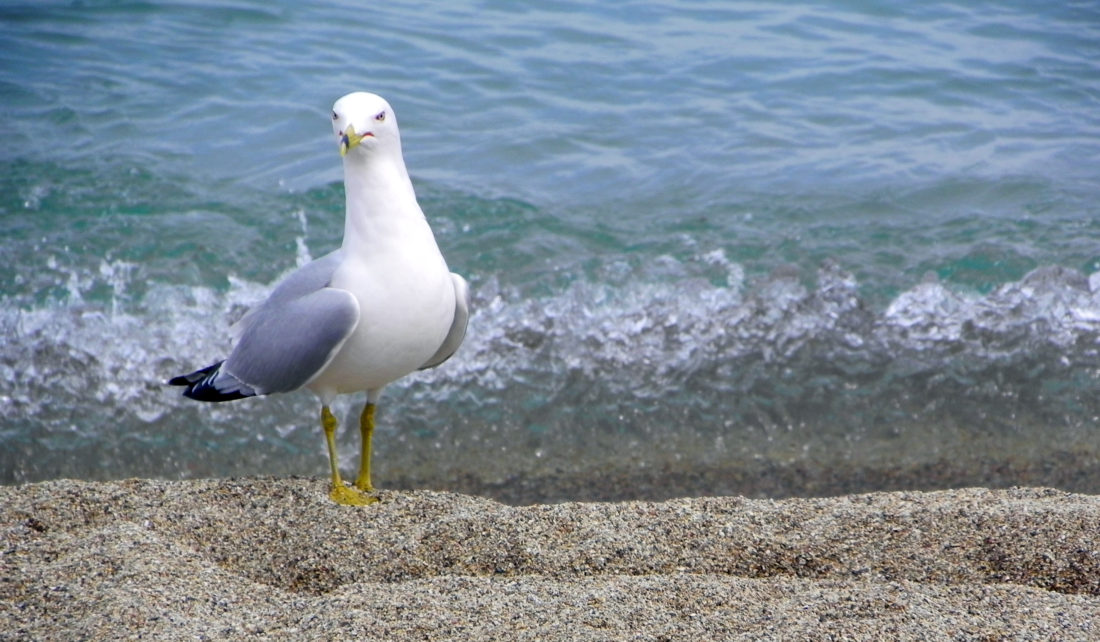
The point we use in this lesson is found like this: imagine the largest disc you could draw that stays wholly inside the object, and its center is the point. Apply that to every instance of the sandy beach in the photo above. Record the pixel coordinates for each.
(264, 558)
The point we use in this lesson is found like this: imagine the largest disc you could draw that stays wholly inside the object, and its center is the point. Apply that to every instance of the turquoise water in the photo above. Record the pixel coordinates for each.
(714, 247)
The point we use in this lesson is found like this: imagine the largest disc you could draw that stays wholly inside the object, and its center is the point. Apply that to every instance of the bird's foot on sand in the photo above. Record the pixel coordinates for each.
(351, 497)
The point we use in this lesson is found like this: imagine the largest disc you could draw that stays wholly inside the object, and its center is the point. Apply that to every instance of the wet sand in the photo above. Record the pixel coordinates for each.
(273, 558)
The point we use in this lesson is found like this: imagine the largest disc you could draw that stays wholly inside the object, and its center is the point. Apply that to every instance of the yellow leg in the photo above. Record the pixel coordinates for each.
(340, 493)
(366, 430)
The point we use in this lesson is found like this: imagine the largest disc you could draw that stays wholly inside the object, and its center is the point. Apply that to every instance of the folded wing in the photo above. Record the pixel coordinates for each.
(458, 326)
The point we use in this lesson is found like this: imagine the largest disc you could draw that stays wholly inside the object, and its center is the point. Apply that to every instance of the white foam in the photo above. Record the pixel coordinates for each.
(735, 352)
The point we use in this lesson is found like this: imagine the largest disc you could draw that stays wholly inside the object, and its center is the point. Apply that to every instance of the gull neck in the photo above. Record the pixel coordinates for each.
(380, 199)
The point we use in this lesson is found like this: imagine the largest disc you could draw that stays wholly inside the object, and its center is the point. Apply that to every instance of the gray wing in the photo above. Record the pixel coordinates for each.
(293, 335)
(309, 278)
(458, 326)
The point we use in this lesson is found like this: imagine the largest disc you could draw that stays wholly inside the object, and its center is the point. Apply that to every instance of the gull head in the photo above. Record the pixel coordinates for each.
(364, 122)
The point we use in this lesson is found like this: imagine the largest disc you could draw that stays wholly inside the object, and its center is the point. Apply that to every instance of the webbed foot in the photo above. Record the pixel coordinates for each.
(350, 496)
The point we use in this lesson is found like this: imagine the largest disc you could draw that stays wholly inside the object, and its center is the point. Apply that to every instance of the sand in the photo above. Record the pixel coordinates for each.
(265, 558)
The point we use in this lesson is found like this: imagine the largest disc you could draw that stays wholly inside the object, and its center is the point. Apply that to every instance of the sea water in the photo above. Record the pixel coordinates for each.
(714, 247)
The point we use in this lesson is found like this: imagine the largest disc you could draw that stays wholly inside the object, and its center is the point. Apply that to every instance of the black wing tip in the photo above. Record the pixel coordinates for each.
(200, 385)
(196, 377)
(210, 393)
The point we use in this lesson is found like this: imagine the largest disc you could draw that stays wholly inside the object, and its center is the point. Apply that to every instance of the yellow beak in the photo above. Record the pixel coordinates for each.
(350, 139)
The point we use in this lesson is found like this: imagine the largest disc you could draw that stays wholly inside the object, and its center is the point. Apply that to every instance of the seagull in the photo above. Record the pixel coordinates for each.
(378, 308)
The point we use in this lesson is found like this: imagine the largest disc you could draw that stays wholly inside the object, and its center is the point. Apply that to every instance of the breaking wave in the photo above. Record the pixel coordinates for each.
(641, 374)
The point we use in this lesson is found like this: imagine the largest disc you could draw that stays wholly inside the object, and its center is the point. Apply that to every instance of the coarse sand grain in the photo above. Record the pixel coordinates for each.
(264, 558)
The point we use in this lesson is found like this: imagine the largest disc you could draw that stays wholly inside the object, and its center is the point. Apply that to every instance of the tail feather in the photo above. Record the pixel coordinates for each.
(211, 384)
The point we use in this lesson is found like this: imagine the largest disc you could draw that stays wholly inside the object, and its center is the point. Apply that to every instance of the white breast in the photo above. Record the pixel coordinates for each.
(406, 306)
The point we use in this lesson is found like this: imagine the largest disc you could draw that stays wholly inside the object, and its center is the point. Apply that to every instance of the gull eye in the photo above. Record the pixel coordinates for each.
(380, 116)
(334, 116)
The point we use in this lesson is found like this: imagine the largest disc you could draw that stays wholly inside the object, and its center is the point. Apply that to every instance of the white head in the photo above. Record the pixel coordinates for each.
(364, 122)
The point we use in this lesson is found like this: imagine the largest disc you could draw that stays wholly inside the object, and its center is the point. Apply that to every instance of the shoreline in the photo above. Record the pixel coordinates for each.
(1072, 469)
(267, 557)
